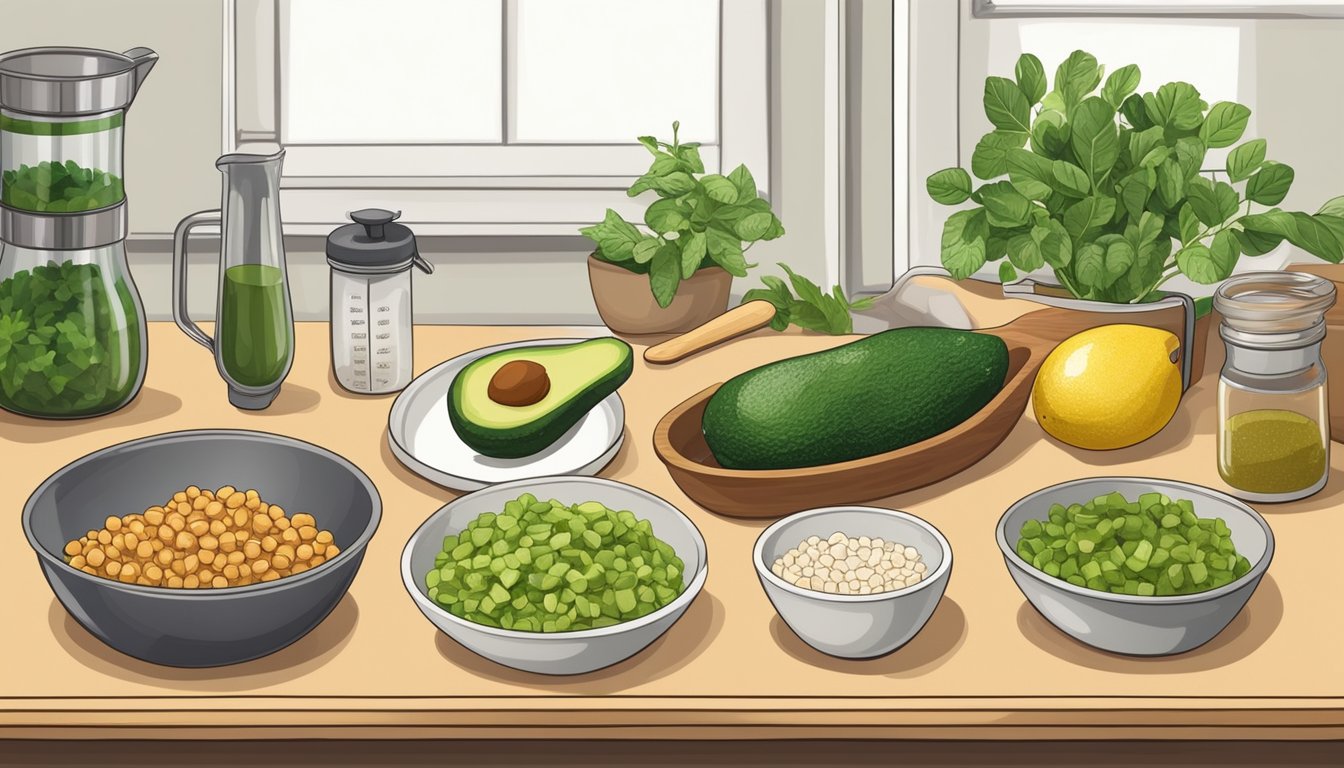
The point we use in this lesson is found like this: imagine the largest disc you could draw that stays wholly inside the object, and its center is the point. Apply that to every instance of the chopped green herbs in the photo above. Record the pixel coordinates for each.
(67, 347)
(540, 566)
(1150, 547)
(60, 188)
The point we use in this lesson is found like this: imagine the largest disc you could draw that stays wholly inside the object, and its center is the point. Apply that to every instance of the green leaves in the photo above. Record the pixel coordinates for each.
(1070, 179)
(813, 309)
(1006, 107)
(1030, 77)
(1120, 85)
(1270, 184)
(1076, 77)
(963, 242)
(615, 237)
(950, 186)
(1030, 174)
(1303, 230)
(990, 158)
(1212, 203)
(1175, 105)
(1086, 215)
(1208, 265)
(1004, 205)
(665, 274)
(1225, 124)
(1094, 139)
(1244, 160)
(668, 215)
(719, 189)
(693, 251)
(745, 183)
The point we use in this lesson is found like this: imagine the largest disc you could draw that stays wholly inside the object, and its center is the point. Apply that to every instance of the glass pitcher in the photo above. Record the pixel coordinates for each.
(72, 329)
(254, 322)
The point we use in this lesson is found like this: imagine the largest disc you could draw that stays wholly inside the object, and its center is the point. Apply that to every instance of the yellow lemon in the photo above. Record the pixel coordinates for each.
(1109, 387)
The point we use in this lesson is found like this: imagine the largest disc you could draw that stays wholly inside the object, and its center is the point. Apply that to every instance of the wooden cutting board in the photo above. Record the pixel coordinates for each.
(679, 441)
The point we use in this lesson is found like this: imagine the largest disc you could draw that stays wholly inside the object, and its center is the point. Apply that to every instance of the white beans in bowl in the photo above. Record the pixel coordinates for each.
(848, 565)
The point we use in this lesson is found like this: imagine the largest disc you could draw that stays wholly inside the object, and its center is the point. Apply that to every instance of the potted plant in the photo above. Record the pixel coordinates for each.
(677, 273)
(1108, 190)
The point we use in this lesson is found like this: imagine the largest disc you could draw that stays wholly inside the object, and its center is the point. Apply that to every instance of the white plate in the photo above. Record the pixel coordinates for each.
(422, 437)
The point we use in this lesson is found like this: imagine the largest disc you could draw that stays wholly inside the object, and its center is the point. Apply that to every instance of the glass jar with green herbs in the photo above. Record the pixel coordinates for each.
(1273, 436)
(59, 164)
(72, 332)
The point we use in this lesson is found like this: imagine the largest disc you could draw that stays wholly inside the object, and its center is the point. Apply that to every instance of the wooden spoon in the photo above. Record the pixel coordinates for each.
(733, 323)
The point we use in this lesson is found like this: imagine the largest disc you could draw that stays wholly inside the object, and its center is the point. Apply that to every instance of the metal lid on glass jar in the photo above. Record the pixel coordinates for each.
(72, 81)
(374, 245)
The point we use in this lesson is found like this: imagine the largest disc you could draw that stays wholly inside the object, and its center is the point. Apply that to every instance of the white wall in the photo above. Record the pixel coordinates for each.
(174, 134)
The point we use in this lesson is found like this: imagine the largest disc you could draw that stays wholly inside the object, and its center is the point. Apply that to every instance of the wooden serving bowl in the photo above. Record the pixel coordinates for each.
(679, 439)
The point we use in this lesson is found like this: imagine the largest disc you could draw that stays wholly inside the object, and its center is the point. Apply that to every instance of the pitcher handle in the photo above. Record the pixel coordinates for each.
(180, 314)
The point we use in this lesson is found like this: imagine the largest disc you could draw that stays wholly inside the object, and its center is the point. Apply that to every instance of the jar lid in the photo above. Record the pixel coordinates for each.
(374, 245)
(1274, 302)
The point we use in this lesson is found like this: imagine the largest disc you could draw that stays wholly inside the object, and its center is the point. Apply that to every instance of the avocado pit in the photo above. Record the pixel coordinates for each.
(518, 383)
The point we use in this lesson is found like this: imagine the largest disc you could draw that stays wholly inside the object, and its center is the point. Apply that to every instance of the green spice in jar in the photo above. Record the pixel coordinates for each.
(1272, 451)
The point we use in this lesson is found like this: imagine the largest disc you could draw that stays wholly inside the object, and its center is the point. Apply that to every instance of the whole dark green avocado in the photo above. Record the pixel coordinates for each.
(883, 392)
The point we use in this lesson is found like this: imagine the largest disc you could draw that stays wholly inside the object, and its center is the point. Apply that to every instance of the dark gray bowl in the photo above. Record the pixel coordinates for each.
(202, 628)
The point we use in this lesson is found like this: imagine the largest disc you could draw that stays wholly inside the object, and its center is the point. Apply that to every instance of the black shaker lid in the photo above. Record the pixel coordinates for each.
(374, 244)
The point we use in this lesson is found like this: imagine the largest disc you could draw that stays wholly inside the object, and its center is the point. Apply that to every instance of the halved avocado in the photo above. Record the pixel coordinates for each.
(522, 413)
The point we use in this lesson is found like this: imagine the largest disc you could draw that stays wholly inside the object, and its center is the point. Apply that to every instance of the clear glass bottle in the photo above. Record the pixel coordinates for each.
(1274, 423)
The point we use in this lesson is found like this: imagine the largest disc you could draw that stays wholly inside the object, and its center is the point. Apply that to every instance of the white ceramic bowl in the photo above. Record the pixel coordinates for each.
(855, 626)
(1129, 624)
(557, 653)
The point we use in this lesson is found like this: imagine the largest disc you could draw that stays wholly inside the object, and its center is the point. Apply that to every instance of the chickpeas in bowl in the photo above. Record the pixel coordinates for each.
(203, 539)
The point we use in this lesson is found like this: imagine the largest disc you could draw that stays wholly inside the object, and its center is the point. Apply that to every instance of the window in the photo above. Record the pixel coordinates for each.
(491, 116)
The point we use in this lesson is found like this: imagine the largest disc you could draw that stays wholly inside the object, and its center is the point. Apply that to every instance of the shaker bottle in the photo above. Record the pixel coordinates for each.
(371, 301)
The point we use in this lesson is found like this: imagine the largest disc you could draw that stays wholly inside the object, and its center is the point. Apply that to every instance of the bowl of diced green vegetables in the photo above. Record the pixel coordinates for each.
(1132, 565)
(556, 575)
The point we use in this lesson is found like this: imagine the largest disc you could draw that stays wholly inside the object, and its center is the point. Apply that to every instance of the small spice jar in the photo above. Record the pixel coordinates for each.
(1273, 435)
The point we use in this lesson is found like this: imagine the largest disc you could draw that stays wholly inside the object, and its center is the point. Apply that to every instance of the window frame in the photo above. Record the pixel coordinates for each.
(495, 189)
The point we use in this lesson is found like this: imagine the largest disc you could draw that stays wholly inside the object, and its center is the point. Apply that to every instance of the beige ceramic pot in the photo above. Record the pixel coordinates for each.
(627, 305)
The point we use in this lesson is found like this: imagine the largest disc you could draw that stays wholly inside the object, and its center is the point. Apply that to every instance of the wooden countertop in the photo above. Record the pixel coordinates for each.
(986, 666)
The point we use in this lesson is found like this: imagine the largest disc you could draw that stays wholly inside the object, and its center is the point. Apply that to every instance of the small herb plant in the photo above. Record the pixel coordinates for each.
(812, 309)
(699, 220)
(1107, 189)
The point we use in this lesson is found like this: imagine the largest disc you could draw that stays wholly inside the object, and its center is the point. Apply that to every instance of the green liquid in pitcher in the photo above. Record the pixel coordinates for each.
(255, 335)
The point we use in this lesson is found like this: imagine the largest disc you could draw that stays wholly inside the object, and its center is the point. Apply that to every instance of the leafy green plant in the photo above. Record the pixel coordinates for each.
(1107, 189)
(699, 220)
(812, 308)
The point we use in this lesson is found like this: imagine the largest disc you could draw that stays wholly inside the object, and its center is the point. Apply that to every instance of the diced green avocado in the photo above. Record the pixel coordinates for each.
(580, 376)
(871, 396)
